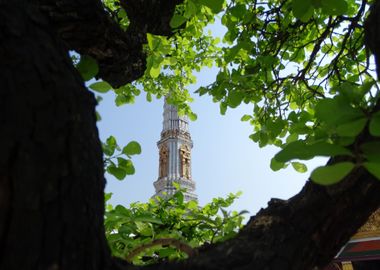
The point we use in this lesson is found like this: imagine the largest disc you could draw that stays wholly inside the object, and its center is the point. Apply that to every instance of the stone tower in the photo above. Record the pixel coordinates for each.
(174, 155)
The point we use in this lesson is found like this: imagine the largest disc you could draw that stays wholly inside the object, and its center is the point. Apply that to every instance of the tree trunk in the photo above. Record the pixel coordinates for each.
(51, 169)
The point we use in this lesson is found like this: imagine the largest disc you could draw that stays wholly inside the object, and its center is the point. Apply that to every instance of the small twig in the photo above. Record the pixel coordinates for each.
(162, 242)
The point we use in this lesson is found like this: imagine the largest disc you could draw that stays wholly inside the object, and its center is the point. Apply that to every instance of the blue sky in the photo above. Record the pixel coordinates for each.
(224, 159)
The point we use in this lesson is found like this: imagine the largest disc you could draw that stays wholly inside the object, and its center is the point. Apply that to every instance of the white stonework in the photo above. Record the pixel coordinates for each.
(175, 155)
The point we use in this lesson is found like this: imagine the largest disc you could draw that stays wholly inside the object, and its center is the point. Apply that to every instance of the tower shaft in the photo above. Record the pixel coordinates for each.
(174, 155)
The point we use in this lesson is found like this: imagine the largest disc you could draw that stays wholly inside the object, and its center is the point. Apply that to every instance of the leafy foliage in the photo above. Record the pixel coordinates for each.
(118, 161)
(301, 63)
(303, 66)
(167, 229)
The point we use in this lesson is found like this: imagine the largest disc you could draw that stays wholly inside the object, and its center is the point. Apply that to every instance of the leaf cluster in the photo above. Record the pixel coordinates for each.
(140, 225)
(117, 160)
(339, 121)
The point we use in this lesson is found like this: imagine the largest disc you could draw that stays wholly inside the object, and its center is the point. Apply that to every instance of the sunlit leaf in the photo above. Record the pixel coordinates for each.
(328, 175)
(301, 150)
(192, 116)
(101, 87)
(299, 167)
(246, 117)
(117, 172)
(147, 218)
(132, 148)
(276, 165)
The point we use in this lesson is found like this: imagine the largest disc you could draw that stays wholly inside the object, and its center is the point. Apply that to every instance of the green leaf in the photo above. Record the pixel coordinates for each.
(374, 124)
(234, 98)
(122, 99)
(144, 229)
(117, 172)
(301, 150)
(98, 116)
(223, 108)
(246, 117)
(352, 128)
(148, 218)
(353, 93)
(151, 42)
(107, 196)
(179, 196)
(299, 167)
(371, 147)
(110, 146)
(192, 116)
(336, 111)
(149, 97)
(292, 137)
(101, 87)
(126, 165)
(191, 9)
(373, 168)
(215, 5)
(275, 165)
(166, 252)
(328, 175)
(155, 71)
(302, 9)
(111, 141)
(238, 11)
(132, 148)
(87, 67)
(371, 151)
(177, 20)
(192, 205)
(334, 7)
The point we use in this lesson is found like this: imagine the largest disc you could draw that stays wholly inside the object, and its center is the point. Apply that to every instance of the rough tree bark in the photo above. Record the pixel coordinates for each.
(51, 171)
(51, 176)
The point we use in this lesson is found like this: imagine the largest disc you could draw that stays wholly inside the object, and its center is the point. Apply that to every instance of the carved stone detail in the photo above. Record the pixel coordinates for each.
(185, 157)
(175, 134)
(164, 154)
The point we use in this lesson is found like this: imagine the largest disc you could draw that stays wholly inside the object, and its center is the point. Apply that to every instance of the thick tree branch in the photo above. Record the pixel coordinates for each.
(301, 233)
(85, 26)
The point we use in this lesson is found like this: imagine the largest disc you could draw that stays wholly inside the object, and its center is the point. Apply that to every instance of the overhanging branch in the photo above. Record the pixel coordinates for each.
(86, 27)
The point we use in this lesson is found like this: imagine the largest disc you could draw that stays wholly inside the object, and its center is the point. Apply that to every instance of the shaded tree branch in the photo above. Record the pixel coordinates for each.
(86, 27)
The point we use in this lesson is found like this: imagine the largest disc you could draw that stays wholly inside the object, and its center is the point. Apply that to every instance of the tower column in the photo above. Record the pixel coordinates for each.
(174, 155)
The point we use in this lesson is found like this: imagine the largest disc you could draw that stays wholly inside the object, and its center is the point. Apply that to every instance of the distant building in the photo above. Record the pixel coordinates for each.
(362, 252)
(174, 155)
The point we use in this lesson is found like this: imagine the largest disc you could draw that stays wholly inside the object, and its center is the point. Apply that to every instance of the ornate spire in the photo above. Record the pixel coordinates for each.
(175, 155)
